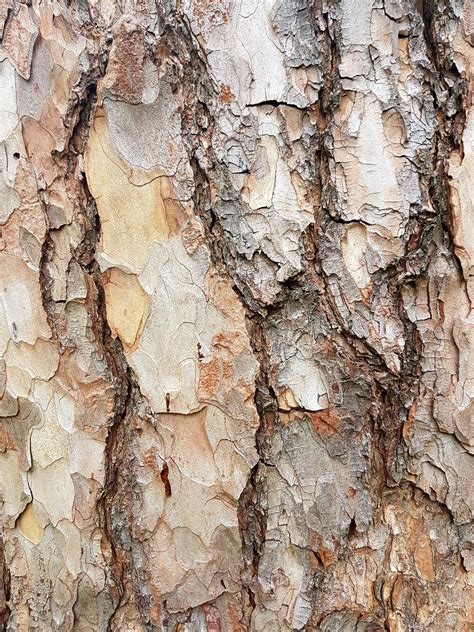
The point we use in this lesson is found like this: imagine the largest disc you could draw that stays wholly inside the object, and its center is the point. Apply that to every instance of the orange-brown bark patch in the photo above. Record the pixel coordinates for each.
(226, 95)
(325, 422)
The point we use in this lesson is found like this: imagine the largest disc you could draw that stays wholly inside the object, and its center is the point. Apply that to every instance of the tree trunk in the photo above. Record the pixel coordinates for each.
(236, 328)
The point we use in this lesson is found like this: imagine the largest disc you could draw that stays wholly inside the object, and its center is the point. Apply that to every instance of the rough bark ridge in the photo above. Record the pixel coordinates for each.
(236, 327)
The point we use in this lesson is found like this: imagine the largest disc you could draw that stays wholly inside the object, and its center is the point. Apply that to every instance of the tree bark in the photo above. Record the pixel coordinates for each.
(236, 321)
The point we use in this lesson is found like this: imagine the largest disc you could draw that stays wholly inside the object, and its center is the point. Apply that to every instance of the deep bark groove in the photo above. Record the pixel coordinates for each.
(236, 327)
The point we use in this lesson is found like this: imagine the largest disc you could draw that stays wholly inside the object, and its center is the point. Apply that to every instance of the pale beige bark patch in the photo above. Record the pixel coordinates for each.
(127, 306)
(28, 525)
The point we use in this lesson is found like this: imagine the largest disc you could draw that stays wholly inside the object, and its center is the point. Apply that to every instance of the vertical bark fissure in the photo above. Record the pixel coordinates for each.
(251, 513)
(79, 118)
(450, 92)
(4, 586)
(307, 237)
(116, 463)
(118, 453)
(307, 286)
(120, 497)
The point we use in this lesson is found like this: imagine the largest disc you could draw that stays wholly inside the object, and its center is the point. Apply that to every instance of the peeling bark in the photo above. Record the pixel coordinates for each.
(236, 327)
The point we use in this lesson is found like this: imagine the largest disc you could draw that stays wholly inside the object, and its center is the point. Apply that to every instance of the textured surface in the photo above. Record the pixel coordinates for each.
(236, 326)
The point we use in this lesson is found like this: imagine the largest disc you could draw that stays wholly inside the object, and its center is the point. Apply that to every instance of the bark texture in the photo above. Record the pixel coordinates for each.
(236, 326)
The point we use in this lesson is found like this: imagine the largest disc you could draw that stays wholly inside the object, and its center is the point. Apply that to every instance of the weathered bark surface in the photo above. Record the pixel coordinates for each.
(236, 330)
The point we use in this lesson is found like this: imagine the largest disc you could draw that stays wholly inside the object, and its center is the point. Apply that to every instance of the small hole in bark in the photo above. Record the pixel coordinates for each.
(16, 155)
(223, 584)
(167, 402)
(455, 71)
(352, 529)
(165, 479)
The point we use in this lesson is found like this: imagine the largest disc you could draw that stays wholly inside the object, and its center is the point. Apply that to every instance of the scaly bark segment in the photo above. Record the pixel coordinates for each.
(236, 315)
